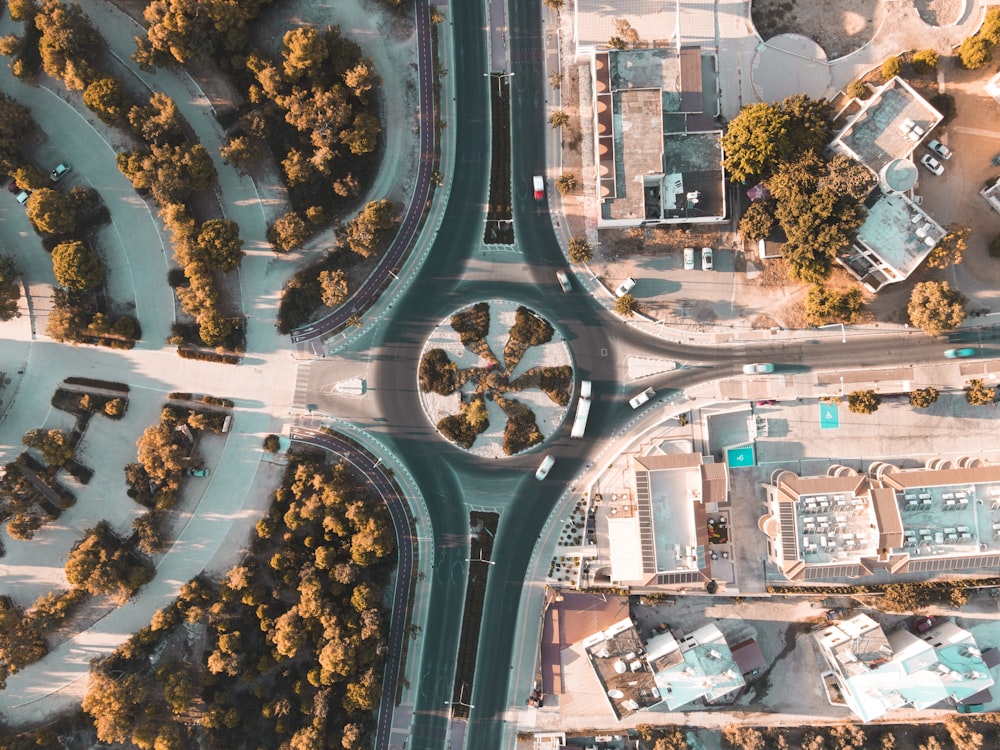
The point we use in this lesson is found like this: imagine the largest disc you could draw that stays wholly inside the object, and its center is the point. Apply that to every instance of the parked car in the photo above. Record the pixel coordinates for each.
(837, 613)
(940, 149)
(639, 399)
(23, 196)
(193, 472)
(60, 171)
(959, 353)
(546, 466)
(706, 259)
(563, 278)
(932, 164)
(689, 259)
(924, 623)
(758, 368)
(625, 288)
(12, 187)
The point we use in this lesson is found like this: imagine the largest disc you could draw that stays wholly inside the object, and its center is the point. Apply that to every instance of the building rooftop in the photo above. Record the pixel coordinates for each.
(878, 673)
(569, 619)
(699, 666)
(617, 656)
(654, 22)
(899, 520)
(659, 157)
(893, 241)
(888, 126)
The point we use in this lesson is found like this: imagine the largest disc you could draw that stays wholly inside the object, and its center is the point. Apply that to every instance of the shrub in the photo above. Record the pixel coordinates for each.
(925, 61)
(757, 221)
(923, 397)
(863, 402)
(272, 443)
(579, 250)
(975, 52)
(472, 324)
(858, 90)
(825, 306)
(115, 408)
(991, 26)
(566, 183)
(437, 373)
(530, 329)
(625, 306)
(935, 307)
(978, 393)
(891, 68)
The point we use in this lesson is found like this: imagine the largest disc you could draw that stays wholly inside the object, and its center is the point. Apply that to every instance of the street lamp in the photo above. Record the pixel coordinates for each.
(499, 76)
(843, 333)
(460, 701)
(480, 558)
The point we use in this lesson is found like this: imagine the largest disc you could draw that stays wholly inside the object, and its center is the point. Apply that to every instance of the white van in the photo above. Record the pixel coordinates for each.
(625, 287)
(543, 471)
(639, 399)
(585, 388)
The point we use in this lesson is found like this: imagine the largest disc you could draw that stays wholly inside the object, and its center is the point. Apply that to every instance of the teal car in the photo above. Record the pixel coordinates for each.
(959, 353)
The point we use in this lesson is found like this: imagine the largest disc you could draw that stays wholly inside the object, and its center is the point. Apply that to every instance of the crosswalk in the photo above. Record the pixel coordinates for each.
(301, 384)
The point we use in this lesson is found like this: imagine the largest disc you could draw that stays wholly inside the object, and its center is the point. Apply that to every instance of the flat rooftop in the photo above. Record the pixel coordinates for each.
(888, 127)
(654, 22)
(616, 655)
(895, 238)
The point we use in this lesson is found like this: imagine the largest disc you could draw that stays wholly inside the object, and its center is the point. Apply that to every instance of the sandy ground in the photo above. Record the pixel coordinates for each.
(549, 416)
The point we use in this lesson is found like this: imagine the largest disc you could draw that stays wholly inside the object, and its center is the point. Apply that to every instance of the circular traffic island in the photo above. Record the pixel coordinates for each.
(495, 379)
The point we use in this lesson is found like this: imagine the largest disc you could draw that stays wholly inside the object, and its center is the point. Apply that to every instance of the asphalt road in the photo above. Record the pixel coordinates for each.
(376, 477)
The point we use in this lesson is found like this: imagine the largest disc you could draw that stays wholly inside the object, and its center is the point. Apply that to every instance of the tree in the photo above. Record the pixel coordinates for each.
(67, 43)
(962, 735)
(15, 124)
(106, 98)
(239, 151)
(558, 119)
(980, 394)
(825, 306)
(159, 454)
(743, 737)
(101, 564)
(334, 287)
(10, 288)
(556, 5)
(214, 328)
(272, 443)
(863, 402)
(949, 251)
(625, 306)
(858, 89)
(991, 26)
(757, 221)
(931, 743)
(925, 61)
(672, 739)
(219, 245)
(76, 266)
(54, 445)
(762, 136)
(115, 408)
(975, 52)
(921, 398)
(304, 51)
(21, 10)
(288, 232)
(365, 230)
(160, 122)
(579, 250)
(116, 703)
(51, 211)
(891, 68)
(566, 183)
(935, 307)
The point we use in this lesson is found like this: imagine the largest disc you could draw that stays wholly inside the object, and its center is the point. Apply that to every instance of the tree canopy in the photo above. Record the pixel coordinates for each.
(10, 288)
(76, 266)
(935, 307)
(51, 211)
(763, 136)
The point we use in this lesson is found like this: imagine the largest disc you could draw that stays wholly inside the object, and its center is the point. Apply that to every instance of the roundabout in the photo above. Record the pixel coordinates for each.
(495, 379)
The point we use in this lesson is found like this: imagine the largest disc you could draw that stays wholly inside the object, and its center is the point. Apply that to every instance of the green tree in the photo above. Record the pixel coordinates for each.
(288, 232)
(363, 233)
(51, 211)
(115, 408)
(15, 125)
(214, 328)
(558, 119)
(566, 183)
(76, 266)
(863, 402)
(219, 245)
(858, 90)
(272, 443)
(980, 394)
(106, 98)
(334, 287)
(304, 52)
(991, 26)
(625, 306)
(763, 136)
(66, 43)
(743, 737)
(10, 288)
(160, 455)
(159, 122)
(824, 306)
(579, 250)
(921, 398)
(975, 52)
(891, 68)
(935, 307)
(925, 61)
(21, 10)
(54, 445)
(102, 565)
(757, 221)
(951, 248)
(556, 5)
(240, 151)
(116, 704)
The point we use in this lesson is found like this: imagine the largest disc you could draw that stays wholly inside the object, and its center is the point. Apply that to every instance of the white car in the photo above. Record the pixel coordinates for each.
(60, 171)
(706, 259)
(932, 164)
(940, 149)
(638, 400)
(625, 287)
(586, 388)
(689, 259)
(22, 197)
(758, 368)
(543, 471)
(563, 280)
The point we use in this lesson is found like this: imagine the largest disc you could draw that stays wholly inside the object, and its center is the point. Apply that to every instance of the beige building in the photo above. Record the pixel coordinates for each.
(942, 517)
